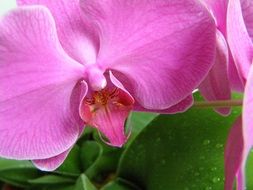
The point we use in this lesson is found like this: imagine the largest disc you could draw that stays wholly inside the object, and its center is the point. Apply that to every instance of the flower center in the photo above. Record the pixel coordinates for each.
(107, 110)
(96, 78)
(103, 98)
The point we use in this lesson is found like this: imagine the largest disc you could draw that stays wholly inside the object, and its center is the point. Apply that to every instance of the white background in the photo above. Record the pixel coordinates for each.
(6, 5)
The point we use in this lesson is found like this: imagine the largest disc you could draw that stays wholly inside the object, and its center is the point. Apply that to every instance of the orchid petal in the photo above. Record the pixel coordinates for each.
(240, 179)
(247, 11)
(233, 153)
(39, 97)
(237, 83)
(75, 35)
(219, 10)
(238, 38)
(216, 85)
(180, 107)
(247, 120)
(153, 43)
(51, 164)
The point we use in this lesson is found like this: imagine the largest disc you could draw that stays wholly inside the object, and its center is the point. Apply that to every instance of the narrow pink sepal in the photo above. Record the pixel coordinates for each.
(247, 12)
(247, 115)
(51, 164)
(154, 43)
(180, 107)
(233, 153)
(248, 112)
(219, 10)
(216, 85)
(237, 82)
(240, 179)
(238, 38)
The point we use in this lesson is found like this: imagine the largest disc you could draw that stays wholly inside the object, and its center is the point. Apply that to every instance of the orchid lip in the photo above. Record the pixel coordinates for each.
(107, 110)
(102, 97)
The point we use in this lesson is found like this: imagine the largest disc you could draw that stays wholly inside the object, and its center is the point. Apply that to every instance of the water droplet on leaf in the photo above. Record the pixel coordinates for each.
(219, 145)
(196, 173)
(206, 142)
(216, 180)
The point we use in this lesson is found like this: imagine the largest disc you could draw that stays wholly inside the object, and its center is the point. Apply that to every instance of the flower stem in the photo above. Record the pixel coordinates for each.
(218, 104)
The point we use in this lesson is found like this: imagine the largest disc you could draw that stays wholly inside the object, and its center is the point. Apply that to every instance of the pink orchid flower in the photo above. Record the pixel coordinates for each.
(65, 64)
(239, 143)
(219, 11)
(223, 76)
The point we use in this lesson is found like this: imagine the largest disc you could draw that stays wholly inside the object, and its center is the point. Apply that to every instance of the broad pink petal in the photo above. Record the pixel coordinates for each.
(180, 107)
(109, 118)
(164, 48)
(219, 10)
(216, 85)
(75, 35)
(233, 153)
(51, 164)
(247, 11)
(238, 38)
(38, 93)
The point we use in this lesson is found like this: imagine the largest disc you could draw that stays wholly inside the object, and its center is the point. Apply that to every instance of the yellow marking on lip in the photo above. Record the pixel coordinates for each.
(102, 97)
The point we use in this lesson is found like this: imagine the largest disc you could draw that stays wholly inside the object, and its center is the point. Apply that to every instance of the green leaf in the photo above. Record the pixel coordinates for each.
(90, 152)
(249, 171)
(102, 162)
(182, 151)
(51, 180)
(17, 173)
(6, 164)
(60, 187)
(72, 164)
(120, 184)
(137, 121)
(83, 183)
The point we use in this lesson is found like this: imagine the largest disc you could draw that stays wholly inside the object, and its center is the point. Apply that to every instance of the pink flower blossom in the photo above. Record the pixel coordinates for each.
(216, 85)
(65, 65)
(219, 11)
(239, 143)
